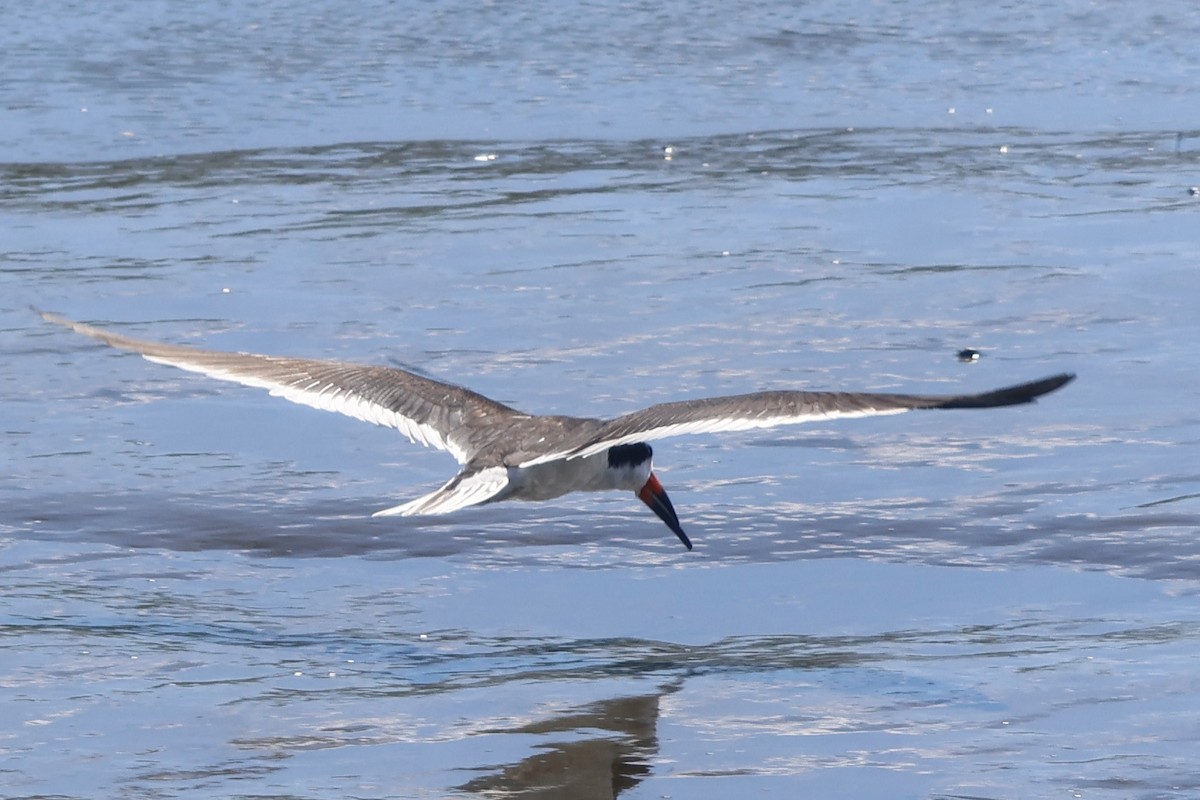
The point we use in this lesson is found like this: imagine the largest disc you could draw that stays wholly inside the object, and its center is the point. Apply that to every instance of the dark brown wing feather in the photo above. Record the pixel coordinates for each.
(427, 411)
(769, 409)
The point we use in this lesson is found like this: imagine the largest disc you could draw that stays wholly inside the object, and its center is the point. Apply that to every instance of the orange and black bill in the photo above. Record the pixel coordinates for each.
(654, 495)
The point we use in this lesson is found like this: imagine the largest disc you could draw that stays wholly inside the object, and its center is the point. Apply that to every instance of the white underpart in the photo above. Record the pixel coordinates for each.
(707, 426)
(328, 397)
(541, 482)
(548, 480)
(471, 490)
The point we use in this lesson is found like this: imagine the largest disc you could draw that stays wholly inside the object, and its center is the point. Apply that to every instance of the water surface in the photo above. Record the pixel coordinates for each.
(937, 605)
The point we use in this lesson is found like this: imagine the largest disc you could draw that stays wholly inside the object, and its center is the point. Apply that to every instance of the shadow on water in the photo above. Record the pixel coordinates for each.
(1006, 528)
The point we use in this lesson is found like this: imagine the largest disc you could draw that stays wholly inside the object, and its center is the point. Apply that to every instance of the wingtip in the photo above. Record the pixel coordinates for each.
(1051, 384)
(48, 316)
(59, 319)
(1010, 395)
(1055, 382)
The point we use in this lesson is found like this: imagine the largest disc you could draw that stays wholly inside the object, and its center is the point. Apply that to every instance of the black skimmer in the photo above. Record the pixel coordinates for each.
(509, 455)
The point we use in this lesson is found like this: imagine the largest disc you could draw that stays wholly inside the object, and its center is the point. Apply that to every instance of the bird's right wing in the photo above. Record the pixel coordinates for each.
(428, 412)
(769, 409)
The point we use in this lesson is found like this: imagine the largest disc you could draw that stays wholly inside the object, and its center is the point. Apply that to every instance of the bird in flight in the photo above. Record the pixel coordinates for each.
(507, 454)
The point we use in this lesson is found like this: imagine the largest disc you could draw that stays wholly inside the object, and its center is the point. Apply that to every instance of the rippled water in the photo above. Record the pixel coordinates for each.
(991, 604)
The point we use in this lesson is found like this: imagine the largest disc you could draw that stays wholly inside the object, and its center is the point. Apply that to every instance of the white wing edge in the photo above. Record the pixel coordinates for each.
(327, 397)
(721, 425)
(459, 492)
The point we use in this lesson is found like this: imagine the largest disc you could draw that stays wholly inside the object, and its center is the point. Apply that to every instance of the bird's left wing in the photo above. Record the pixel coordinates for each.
(769, 409)
(428, 412)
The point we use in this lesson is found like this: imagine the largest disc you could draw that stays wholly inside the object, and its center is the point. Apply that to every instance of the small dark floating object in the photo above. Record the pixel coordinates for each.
(969, 355)
(1194, 191)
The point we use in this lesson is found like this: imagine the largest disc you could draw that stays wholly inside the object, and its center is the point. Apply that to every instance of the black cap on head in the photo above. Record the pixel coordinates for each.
(629, 455)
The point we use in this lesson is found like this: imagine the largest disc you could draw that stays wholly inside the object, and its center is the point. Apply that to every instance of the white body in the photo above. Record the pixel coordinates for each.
(552, 479)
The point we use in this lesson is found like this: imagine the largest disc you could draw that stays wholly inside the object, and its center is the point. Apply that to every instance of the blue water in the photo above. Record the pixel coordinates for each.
(583, 212)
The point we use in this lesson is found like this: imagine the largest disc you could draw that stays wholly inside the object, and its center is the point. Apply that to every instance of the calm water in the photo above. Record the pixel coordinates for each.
(990, 605)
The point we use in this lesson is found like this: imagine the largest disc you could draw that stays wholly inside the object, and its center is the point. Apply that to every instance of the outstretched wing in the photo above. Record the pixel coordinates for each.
(769, 409)
(426, 411)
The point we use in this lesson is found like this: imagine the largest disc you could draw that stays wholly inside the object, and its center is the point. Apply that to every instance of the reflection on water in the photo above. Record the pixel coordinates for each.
(581, 764)
(401, 675)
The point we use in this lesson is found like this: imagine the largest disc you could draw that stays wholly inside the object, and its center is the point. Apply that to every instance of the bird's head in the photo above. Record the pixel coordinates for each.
(632, 467)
